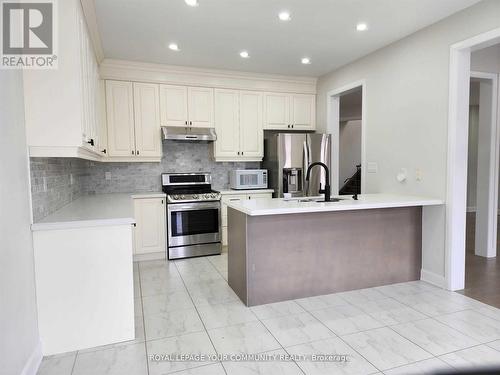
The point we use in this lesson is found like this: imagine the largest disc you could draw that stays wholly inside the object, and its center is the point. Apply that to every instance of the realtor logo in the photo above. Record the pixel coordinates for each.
(28, 35)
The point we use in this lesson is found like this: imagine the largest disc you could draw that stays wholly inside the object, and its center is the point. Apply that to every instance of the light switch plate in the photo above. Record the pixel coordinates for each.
(372, 167)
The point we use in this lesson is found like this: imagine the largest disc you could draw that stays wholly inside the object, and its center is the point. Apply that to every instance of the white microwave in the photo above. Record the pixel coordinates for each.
(241, 179)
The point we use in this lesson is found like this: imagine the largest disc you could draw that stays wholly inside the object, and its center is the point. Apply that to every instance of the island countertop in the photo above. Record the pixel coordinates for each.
(279, 206)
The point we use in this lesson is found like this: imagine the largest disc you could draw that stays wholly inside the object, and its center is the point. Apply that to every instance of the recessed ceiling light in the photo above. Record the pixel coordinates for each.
(284, 16)
(192, 3)
(244, 54)
(173, 47)
(305, 60)
(361, 26)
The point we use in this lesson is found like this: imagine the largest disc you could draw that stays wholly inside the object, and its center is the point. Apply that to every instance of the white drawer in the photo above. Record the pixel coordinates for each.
(230, 198)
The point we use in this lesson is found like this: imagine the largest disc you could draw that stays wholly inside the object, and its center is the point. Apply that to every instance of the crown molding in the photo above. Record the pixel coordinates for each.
(181, 75)
(89, 13)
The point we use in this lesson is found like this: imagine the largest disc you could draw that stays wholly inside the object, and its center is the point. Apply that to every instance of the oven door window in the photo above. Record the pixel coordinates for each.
(187, 223)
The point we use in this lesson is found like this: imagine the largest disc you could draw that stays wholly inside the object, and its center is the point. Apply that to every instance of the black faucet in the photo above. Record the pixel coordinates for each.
(327, 190)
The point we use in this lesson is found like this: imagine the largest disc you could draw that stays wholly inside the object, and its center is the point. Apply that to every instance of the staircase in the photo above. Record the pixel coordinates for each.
(352, 185)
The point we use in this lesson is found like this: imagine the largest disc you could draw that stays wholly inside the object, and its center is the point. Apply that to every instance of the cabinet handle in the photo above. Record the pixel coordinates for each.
(190, 123)
(185, 122)
(133, 153)
(134, 224)
(162, 201)
(241, 152)
(91, 142)
(137, 152)
(103, 151)
(235, 199)
(288, 126)
(292, 126)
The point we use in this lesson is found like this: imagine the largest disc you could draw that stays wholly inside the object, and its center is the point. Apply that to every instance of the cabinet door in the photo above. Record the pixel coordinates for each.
(147, 120)
(150, 225)
(277, 111)
(120, 118)
(226, 123)
(303, 113)
(173, 105)
(251, 133)
(201, 107)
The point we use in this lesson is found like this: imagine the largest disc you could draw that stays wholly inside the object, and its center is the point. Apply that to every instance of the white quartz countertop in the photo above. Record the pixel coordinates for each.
(94, 210)
(246, 191)
(279, 206)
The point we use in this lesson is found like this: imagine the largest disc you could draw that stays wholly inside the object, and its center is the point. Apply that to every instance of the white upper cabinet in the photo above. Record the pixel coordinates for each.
(120, 118)
(187, 106)
(174, 105)
(238, 123)
(303, 112)
(227, 123)
(62, 105)
(277, 111)
(251, 133)
(201, 107)
(290, 111)
(133, 118)
(147, 120)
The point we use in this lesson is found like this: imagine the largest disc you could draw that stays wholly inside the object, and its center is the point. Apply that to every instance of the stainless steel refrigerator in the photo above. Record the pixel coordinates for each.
(287, 156)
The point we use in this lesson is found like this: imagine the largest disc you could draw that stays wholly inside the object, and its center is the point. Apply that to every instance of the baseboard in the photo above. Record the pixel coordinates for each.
(432, 278)
(150, 256)
(33, 363)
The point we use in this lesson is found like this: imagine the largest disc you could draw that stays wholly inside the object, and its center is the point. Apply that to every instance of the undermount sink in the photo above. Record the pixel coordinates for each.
(320, 200)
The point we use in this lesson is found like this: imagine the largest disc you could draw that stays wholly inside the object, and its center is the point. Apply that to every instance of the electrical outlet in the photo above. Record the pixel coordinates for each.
(107, 176)
(419, 174)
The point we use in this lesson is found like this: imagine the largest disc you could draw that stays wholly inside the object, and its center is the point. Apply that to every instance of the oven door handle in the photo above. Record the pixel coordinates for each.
(192, 206)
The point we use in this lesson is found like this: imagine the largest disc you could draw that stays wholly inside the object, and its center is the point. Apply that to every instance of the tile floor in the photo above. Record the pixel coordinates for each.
(187, 307)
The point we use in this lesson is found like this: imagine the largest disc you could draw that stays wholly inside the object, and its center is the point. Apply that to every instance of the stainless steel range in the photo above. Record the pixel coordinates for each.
(193, 215)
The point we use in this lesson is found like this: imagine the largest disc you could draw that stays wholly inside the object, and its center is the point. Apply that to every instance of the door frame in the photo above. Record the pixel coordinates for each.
(458, 131)
(333, 128)
(493, 172)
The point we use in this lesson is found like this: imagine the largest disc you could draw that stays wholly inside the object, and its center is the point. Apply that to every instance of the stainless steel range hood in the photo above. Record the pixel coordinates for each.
(188, 133)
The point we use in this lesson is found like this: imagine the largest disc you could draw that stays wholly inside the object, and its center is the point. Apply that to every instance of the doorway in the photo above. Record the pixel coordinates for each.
(485, 229)
(482, 268)
(346, 119)
(349, 175)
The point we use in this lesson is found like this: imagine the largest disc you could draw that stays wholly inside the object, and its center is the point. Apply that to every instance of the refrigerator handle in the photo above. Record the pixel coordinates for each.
(306, 165)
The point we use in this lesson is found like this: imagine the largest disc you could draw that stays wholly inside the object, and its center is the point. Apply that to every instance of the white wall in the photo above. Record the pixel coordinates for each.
(407, 113)
(349, 149)
(19, 350)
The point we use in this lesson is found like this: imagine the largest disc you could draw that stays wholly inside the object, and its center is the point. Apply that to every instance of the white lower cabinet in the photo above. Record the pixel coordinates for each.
(232, 196)
(149, 236)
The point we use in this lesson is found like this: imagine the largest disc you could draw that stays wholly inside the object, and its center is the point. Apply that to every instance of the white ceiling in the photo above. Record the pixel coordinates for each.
(212, 34)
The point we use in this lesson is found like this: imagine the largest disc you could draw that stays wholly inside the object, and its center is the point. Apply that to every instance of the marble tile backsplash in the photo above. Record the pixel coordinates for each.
(55, 182)
(90, 177)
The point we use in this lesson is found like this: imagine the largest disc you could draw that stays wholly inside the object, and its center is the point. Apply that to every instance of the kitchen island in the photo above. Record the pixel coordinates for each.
(282, 249)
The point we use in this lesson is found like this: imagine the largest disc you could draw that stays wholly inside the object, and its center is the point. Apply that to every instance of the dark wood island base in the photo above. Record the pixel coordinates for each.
(281, 257)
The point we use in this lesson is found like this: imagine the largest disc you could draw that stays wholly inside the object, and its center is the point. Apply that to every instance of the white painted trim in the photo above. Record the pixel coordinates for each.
(89, 14)
(181, 75)
(471, 209)
(493, 163)
(432, 278)
(34, 361)
(333, 127)
(456, 191)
